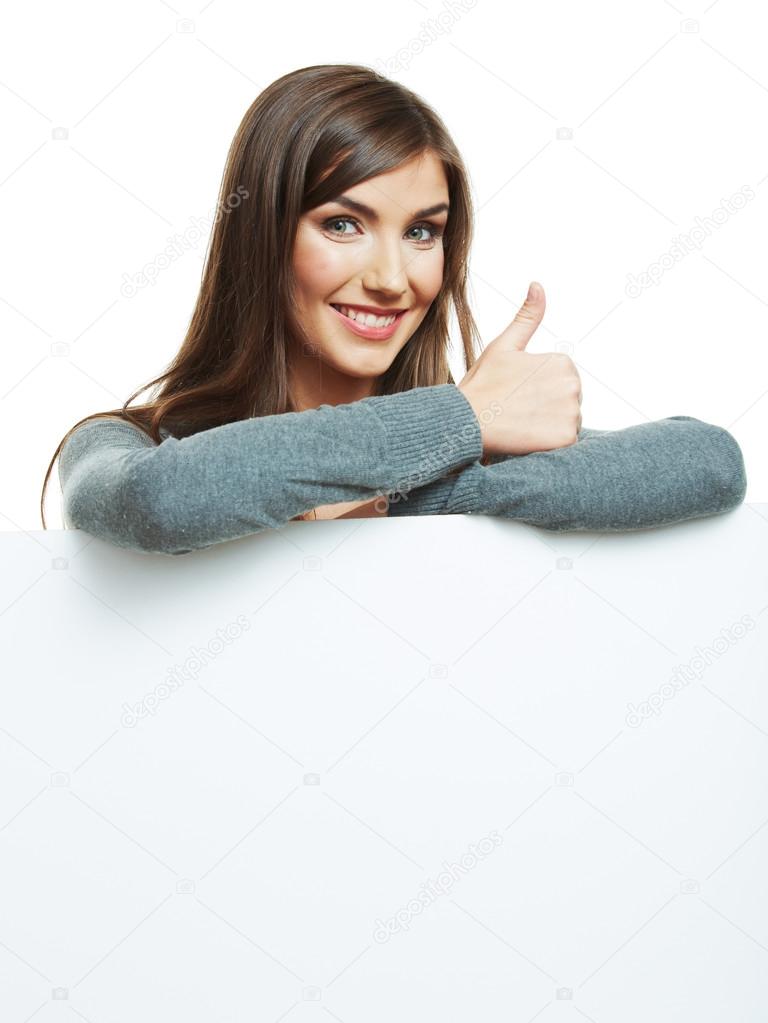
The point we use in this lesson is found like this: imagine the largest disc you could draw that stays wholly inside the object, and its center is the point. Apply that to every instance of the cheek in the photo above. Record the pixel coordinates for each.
(428, 276)
(317, 267)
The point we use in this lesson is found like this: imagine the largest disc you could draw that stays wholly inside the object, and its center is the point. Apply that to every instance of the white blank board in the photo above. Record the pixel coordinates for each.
(437, 768)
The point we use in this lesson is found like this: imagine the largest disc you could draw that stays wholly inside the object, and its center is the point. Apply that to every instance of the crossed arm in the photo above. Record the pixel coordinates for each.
(259, 473)
(646, 475)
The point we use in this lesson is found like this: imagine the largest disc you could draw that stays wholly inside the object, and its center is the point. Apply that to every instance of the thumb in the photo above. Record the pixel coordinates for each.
(529, 316)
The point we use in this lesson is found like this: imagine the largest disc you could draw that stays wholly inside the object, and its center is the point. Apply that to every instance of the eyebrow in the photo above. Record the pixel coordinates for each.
(359, 207)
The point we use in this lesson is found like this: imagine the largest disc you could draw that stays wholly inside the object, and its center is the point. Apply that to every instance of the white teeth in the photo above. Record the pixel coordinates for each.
(367, 319)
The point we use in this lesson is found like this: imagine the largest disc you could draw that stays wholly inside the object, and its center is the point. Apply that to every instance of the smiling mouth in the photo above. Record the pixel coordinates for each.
(361, 316)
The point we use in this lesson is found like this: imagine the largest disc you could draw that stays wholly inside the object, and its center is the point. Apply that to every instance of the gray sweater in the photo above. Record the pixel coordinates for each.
(420, 448)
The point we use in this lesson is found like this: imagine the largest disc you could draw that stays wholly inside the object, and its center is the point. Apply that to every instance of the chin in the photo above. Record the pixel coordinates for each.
(357, 364)
(365, 371)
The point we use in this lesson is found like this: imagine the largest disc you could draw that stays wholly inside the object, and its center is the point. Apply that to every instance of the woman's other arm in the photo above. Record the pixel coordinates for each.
(651, 474)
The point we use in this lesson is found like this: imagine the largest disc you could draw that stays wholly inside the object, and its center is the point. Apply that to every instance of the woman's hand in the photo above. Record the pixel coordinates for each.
(524, 402)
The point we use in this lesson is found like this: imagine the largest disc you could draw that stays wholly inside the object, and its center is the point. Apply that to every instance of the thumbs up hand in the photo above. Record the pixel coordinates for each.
(524, 402)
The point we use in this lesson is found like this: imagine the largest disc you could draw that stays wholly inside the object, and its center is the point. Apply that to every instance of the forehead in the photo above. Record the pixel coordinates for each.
(419, 182)
(415, 184)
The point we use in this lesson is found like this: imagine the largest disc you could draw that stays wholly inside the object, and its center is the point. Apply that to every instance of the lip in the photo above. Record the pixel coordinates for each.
(372, 333)
(377, 310)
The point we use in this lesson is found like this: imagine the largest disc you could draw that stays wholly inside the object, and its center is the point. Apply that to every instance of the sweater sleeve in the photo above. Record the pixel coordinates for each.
(259, 473)
(651, 474)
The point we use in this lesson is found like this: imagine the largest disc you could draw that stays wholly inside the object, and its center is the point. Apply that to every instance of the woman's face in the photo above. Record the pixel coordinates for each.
(389, 257)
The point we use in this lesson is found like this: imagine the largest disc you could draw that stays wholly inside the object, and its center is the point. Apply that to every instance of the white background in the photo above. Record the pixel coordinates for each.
(595, 135)
(226, 776)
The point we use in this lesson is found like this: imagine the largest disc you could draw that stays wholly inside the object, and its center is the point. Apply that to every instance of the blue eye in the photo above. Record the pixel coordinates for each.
(434, 231)
(337, 220)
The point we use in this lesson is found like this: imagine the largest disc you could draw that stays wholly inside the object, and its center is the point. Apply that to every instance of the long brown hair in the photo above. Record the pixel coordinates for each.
(304, 140)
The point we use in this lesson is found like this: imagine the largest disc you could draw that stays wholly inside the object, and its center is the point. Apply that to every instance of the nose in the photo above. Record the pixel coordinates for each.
(387, 269)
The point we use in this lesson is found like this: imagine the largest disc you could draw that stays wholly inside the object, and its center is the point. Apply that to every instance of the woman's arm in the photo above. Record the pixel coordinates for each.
(254, 474)
(651, 474)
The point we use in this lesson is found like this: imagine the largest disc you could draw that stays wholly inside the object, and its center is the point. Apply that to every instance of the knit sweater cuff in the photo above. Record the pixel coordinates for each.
(452, 495)
(437, 421)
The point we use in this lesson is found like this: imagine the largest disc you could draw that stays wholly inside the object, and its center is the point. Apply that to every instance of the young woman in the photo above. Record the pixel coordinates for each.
(314, 381)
